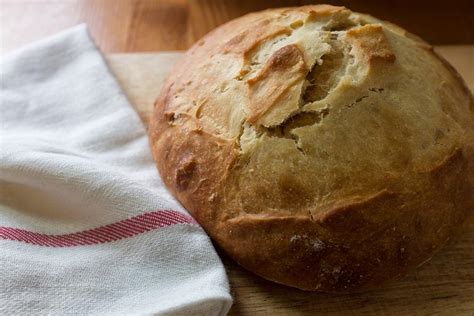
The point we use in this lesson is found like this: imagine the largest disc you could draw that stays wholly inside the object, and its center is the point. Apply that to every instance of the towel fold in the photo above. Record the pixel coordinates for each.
(86, 225)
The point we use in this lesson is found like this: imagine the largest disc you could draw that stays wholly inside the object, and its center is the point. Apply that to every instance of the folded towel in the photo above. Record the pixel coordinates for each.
(86, 225)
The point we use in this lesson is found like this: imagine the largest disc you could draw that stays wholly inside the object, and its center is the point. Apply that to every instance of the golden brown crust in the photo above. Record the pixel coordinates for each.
(371, 40)
(320, 148)
(272, 86)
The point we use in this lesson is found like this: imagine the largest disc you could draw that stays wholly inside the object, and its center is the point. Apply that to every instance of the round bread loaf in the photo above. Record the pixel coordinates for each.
(320, 148)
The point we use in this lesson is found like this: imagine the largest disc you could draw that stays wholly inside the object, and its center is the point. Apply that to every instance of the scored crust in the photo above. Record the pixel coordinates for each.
(320, 148)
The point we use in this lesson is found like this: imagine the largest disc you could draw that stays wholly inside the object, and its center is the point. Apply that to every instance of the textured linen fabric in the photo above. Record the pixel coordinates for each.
(86, 225)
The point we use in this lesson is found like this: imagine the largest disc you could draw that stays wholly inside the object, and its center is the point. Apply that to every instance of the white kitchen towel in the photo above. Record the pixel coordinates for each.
(86, 225)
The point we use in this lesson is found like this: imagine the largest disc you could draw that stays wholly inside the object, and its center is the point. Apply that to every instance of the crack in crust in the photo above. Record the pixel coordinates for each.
(297, 120)
(319, 80)
(325, 75)
(272, 98)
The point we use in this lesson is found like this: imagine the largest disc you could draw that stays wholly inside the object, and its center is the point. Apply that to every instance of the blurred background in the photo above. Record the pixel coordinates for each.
(157, 25)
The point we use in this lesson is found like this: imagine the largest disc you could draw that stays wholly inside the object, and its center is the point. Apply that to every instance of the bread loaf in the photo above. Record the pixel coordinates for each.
(320, 148)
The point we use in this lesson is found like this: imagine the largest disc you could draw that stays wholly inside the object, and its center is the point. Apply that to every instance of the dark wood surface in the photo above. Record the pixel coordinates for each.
(156, 25)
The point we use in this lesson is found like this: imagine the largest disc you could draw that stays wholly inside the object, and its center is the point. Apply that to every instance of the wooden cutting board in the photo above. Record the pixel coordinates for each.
(443, 286)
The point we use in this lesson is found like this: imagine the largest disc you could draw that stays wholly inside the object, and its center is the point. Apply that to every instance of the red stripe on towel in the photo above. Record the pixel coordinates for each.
(108, 233)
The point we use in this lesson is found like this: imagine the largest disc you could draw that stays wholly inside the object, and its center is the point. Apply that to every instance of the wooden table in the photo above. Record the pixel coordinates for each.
(156, 25)
(443, 286)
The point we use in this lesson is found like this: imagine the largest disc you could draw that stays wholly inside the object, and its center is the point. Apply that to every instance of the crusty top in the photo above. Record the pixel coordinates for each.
(315, 115)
